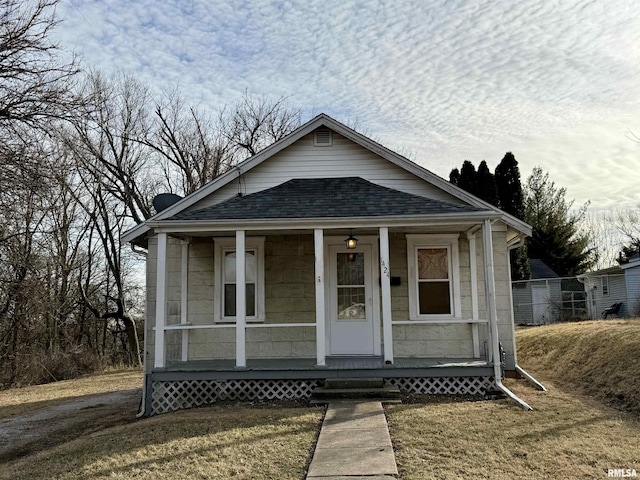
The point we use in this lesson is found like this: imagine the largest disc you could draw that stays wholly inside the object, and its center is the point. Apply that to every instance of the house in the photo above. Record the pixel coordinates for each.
(619, 284)
(537, 301)
(358, 263)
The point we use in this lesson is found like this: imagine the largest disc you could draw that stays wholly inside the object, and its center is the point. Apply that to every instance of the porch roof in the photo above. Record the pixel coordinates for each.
(325, 198)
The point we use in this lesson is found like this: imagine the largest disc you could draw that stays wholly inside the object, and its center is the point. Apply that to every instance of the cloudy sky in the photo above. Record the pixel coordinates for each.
(555, 82)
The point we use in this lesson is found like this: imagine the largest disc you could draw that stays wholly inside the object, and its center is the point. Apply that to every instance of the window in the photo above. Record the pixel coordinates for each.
(605, 286)
(434, 290)
(225, 279)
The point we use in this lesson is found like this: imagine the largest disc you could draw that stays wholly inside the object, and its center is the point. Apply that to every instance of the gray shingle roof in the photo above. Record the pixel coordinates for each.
(322, 198)
(539, 269)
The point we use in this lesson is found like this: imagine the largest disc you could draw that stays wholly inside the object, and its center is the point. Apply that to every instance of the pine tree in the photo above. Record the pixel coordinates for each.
(511, 200)
(454, 176)
(507, 177)
(468, 177)
(556, 239)
(486, 188)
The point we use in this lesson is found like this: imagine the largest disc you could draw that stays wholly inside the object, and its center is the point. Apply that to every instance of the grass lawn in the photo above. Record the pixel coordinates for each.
(222, 442)
(566, 436)
(17, 401)
(572, 432)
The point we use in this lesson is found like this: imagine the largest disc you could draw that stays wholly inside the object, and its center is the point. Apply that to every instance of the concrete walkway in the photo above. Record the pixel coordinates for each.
(354, 443)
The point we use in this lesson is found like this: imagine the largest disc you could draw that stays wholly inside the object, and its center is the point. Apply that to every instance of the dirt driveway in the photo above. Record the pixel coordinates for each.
(62, 421)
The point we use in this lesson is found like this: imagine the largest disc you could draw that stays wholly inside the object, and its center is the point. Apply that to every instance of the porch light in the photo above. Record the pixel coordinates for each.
(351, 242)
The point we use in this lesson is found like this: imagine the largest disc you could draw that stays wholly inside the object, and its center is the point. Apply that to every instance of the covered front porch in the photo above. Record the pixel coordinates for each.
(393, 336)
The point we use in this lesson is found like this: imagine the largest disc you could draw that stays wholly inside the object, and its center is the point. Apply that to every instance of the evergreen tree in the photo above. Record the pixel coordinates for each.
(507, 177)
(454, 176)
(556, 239)
(628, 251)
(486, 185)
(468, 177)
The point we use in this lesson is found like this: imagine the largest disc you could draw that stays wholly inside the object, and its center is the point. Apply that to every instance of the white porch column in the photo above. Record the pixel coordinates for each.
(385, 280)
(161, 300)
(184, 285)
(490, 290)
(241, 300)
(473, 267)
(318, 238)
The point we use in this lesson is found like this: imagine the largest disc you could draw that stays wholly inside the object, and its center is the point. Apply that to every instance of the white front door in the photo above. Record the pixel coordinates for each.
(352, 318)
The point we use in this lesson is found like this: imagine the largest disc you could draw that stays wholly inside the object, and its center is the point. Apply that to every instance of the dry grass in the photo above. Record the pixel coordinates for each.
(566, 436)
(241, 442)
(572, 432)
(598, 358)
(17, 401)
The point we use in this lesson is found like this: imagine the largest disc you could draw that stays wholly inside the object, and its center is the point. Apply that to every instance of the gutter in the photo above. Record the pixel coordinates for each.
(521, 371)
(490, 290)
(530, 379)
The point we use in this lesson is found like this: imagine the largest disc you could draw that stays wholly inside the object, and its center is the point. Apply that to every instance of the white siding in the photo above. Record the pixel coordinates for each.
(344, 159)
(632, 276)
(617, 293)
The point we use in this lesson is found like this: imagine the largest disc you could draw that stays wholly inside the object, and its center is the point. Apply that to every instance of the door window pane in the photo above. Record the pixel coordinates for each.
(351, 303)
(350, 268)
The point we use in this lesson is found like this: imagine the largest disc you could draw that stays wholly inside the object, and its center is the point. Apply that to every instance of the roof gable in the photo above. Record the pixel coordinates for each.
(323, 120)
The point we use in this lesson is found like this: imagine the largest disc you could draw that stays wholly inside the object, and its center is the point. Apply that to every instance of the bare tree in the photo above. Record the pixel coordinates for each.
(103, 141)
(256, 122)
(192, 150)
(115, 175)
(34, 84)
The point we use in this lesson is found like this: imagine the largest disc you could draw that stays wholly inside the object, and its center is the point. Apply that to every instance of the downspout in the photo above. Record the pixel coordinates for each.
(143, 400)
(521, 371)
(490, 291)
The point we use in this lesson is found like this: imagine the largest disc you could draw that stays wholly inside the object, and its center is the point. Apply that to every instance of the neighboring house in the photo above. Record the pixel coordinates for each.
(358, 263)
(619, 284)
(538, 301)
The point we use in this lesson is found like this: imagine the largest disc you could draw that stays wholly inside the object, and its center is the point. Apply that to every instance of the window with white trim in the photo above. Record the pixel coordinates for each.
(434, 284)
(225, 279)
(605, 285)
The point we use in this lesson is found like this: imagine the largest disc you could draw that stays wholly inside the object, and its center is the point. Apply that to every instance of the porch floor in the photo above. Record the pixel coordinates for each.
(345, 367)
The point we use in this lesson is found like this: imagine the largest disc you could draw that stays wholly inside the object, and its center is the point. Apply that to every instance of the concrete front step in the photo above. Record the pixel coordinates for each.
(344, 383)
(325, 401)
(377, 393)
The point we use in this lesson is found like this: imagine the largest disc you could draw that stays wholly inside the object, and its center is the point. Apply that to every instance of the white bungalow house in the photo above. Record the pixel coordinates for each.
(613, 285)
(357, 263)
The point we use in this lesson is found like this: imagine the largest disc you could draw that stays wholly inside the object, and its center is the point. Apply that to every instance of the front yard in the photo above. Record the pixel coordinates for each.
(572, 432)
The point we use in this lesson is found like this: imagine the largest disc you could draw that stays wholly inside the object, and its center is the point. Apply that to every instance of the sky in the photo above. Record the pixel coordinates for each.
(555, 82)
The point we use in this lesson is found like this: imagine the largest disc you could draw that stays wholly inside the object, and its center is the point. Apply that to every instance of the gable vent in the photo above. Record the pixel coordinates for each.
(322, 137)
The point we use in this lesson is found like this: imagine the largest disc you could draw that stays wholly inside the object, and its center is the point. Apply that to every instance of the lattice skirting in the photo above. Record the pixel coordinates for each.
(180, 394)
(442, 385)
(168, 396)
